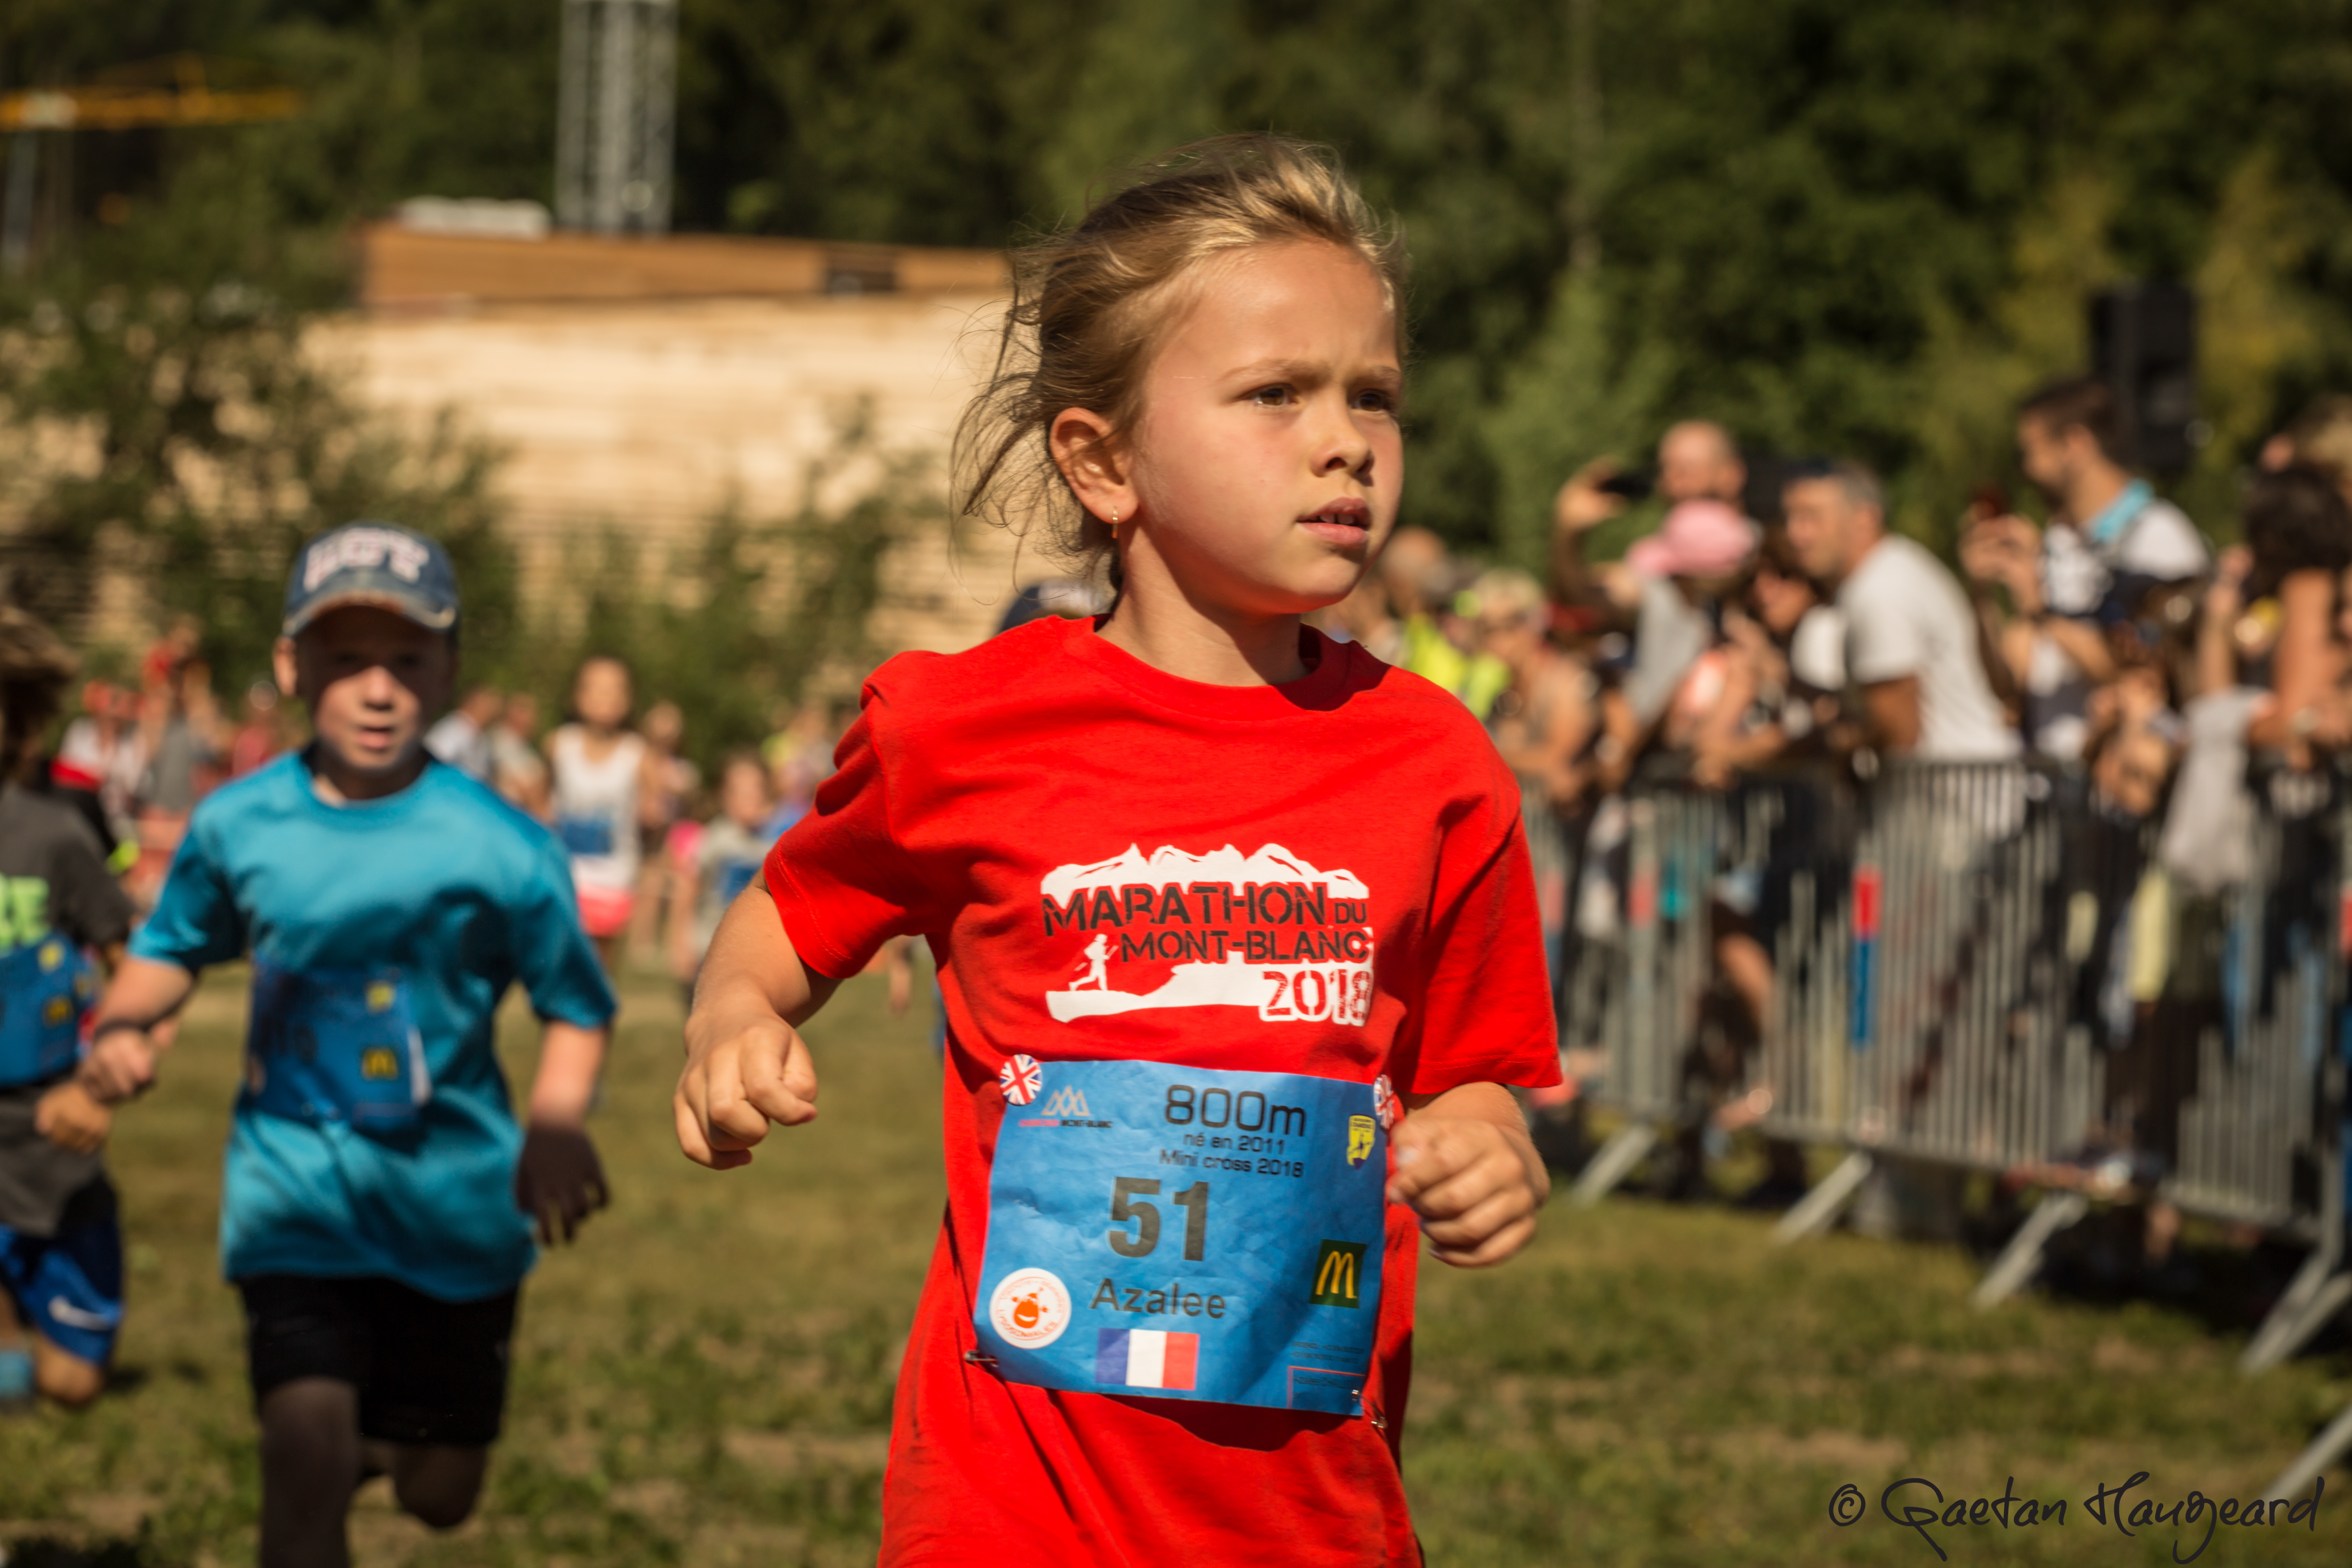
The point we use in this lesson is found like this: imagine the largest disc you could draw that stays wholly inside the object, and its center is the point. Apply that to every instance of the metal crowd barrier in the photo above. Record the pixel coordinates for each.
(1953, 951)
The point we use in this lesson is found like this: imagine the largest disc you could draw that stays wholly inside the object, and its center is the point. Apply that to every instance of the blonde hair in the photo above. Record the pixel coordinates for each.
(1090, 307)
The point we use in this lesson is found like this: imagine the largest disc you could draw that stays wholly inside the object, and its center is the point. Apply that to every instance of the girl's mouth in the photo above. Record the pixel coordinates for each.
(1346, 520)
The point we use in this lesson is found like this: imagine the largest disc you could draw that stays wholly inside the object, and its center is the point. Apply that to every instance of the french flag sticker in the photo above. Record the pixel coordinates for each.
(1146, 1358)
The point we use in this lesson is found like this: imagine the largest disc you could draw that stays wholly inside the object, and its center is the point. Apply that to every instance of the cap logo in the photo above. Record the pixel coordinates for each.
(363, 549)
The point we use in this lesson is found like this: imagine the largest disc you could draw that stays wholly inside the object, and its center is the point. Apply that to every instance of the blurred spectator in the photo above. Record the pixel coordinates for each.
(1672, 582)
(2134, 738)
(261, 735)
(670, 783)
(180, 726)
(799, 756)
(102, 752)
(1540, 722)
(2320, 435)
(159, 671)
(2270, 615)
(1910, 640)
(2109, 541)
(1666, 591)
(462, 738)
(1433, 639)
(1785, 670)
(517, 770)
(1072, 598)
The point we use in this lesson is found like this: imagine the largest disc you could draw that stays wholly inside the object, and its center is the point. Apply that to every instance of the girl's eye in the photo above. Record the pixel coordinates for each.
(1270, 396)
(1374, 400)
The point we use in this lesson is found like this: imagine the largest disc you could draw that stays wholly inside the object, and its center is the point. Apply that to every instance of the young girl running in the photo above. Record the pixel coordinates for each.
(602, 772)
(1234, 924)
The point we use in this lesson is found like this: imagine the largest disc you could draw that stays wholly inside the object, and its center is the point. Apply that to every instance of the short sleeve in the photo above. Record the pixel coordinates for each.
(1883, 639)
(196, 921)
(1484, 1014)
(841, 878)
(553, 958)
(85, 902)
(2162, 544)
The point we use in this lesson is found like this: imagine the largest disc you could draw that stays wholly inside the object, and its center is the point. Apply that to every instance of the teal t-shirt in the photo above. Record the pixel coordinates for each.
(457, 895)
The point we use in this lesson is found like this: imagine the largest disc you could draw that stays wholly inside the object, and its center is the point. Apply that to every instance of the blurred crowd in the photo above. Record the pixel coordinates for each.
(658, 848)
(1772, 621)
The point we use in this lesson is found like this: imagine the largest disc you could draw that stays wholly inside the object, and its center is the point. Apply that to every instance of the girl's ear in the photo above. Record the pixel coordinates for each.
(1086, 448)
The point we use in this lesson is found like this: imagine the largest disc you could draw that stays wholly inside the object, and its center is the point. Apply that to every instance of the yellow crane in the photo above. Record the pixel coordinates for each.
(159, 93)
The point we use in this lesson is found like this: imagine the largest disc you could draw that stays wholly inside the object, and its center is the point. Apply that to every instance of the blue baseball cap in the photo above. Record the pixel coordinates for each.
(372, 563)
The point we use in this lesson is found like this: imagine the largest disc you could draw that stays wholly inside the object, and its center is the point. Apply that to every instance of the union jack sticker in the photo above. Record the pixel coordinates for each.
(1022, 1079)
(1384, 1102)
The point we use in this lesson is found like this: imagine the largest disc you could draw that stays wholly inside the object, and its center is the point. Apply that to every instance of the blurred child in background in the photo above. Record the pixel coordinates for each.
(723, 861)
(60, 1248)
(601, 770)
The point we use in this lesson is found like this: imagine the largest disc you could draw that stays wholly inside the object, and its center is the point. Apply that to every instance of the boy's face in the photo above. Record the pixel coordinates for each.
(373, 680)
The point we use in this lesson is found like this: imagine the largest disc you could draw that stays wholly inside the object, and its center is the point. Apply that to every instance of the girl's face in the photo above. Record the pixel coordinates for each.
(602, 696)
(1265, 468)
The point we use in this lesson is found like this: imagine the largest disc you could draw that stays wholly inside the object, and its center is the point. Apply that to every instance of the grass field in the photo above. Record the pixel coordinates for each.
(706, 1379)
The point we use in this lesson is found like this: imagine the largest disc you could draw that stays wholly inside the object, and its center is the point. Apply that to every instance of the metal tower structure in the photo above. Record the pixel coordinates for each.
(615, 119)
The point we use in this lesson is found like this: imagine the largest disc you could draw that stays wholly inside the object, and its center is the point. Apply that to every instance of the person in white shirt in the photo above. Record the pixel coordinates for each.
(1910, 638)
(2110, 539)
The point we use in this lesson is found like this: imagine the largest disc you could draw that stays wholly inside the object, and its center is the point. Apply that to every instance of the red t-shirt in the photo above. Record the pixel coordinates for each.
(970, 781)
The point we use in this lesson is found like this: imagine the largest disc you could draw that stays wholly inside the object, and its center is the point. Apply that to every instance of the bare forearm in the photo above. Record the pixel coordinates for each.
(751, 967)
(571, 1060)
(142, 994)
(2083, 645)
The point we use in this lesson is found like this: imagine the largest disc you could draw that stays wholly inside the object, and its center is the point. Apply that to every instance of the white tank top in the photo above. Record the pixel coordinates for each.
(597, 807)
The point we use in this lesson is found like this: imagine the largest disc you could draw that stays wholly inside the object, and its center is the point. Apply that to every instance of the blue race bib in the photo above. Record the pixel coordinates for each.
(335, 1045)
(45, 988)
(1185, 1234)
(586, 835)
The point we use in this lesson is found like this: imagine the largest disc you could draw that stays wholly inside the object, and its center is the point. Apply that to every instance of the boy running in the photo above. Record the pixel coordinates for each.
(379, 1199)
(60, 1249)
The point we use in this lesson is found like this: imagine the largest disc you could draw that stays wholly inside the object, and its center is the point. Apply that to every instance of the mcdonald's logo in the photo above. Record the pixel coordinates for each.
(379, 1062)
(1338, 1274)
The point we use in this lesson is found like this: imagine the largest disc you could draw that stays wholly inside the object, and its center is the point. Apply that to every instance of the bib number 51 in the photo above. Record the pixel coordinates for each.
(1139, 1242)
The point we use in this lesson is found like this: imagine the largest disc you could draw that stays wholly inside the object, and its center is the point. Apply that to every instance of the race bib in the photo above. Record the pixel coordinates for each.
(45, 988)
(1186, 1234)
(335, 1045)
(586, 835)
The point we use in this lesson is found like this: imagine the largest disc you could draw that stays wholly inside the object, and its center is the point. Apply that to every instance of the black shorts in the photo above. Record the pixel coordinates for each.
(427, 1371)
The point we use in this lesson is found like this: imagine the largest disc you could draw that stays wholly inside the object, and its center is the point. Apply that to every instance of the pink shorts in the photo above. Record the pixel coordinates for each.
(606, 911)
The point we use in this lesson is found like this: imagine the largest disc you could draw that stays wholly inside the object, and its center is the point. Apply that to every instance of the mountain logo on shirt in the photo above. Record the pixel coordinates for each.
(1030, 1307)
(1266, 929)
(1067, 1102)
